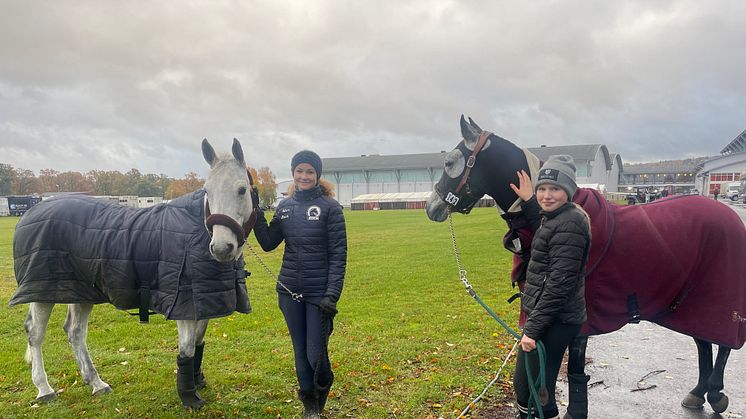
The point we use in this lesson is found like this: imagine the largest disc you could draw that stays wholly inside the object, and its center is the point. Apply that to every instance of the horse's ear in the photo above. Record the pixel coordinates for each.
(469, 134)
(208, 152)
(238, 151)
(474, 124)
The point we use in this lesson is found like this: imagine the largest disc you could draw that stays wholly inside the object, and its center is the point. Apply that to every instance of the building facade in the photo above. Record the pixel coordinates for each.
(719, 172)
(404, 173)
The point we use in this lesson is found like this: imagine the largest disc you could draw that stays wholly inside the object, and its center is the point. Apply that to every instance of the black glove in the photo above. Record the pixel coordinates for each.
(255, 197)
(328, 306)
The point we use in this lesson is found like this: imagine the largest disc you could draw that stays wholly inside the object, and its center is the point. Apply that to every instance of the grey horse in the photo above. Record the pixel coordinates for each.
(182, 259)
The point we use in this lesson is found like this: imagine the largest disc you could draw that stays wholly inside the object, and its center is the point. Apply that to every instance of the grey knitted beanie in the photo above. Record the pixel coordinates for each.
(559, 170)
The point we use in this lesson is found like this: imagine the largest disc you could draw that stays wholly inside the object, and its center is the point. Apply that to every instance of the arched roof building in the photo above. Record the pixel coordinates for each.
(404, 173)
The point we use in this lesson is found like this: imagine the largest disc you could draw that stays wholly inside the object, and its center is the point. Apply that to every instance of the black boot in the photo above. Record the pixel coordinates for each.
(310, 404)
(199, 378)
(323, 395)
(185, 383)
(578, 406)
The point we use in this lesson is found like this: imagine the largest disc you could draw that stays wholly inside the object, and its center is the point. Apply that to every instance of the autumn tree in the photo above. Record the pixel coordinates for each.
(179, 187)
(48, 180)
(6, 178)
(72, 182)
(104, 182)
(267, 185)
(25, 182)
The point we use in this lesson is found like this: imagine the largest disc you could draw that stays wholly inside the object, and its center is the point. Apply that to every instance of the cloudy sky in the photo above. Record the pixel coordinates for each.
(119, 85)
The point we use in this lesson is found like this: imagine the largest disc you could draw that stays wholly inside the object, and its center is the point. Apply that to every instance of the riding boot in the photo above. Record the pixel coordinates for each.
(310, 404)
(185, 383)
(323, 395)
(578, 406)
(199, 378)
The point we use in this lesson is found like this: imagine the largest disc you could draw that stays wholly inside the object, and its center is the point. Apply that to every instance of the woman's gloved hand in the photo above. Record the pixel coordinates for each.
(255, 197)
(328, 306)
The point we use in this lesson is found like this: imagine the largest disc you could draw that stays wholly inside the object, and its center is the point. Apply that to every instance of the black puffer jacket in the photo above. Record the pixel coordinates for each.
(555, 280)
(313, 227)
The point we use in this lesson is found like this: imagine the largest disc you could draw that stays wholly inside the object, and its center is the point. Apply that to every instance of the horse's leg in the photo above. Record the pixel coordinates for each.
(185, 384)
(36, 328)
(718, 401)
(199, 349)
(696, 397)
(76, 327)
(577, 379)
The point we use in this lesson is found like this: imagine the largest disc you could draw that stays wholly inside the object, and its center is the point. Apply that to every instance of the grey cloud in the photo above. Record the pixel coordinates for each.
(139, 84)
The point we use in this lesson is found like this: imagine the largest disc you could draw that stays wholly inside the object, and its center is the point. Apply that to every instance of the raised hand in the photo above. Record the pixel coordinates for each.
(525, 190)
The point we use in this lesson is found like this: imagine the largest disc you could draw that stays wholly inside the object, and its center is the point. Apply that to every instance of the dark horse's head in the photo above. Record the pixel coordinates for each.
(482, 163)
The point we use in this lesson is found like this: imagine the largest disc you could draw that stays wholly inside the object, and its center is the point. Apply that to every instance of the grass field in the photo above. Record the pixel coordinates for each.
(408, 341)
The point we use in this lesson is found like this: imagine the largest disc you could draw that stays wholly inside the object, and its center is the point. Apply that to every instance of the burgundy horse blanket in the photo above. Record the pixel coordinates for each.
(80, 249)
(679, 262)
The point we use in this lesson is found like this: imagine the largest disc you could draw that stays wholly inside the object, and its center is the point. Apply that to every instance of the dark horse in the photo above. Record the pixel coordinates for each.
(178, 259)
(693, 250)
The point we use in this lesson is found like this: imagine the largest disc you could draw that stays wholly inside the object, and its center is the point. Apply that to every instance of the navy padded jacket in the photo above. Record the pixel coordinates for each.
(312, 225)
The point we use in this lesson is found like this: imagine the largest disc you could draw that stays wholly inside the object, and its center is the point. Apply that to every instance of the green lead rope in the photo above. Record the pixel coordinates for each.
(537, 385)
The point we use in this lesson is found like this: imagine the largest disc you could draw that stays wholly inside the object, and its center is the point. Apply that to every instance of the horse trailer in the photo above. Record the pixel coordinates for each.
(4, 210)
(19, 204)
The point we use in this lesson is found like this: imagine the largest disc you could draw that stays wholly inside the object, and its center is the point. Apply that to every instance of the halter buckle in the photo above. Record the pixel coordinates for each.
(470, 162)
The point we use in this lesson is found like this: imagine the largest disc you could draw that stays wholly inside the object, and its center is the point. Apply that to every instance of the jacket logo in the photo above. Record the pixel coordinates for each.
(313, 213)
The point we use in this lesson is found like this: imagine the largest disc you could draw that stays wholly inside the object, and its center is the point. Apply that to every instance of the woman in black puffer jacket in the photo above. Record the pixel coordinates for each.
(312, 225)
(553, 296)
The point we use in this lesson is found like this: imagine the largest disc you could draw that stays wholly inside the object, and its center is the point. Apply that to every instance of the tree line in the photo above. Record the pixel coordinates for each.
(16, 181)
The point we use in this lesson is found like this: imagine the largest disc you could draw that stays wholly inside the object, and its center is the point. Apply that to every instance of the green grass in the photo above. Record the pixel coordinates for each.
(408, 341)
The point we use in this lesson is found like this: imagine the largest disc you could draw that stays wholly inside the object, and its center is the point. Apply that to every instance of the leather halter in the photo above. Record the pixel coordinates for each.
(241, 231)
(472, 160)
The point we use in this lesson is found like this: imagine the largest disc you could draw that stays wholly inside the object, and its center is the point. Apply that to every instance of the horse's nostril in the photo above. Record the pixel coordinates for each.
(230, 247)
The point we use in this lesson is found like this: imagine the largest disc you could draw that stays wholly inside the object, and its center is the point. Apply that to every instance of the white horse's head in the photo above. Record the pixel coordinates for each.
(229, 210)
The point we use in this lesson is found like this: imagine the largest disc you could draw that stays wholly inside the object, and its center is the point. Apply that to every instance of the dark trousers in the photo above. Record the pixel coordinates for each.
(304, 323)
(556, 340)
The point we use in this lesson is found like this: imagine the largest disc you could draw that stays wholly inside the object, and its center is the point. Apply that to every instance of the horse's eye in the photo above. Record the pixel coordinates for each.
(242, 190)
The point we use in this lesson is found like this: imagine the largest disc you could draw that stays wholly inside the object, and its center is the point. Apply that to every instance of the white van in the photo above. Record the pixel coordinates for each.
(733, 191)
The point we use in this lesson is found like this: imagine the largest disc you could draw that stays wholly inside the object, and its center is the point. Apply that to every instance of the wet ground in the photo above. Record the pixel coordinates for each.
(618, 361)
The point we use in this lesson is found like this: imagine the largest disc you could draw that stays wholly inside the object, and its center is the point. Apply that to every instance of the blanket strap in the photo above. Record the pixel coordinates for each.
(144, 309)
(633, 309)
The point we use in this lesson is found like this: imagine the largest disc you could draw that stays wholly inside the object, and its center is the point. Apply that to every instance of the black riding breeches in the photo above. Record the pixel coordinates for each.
(309, 340)
(556, 340)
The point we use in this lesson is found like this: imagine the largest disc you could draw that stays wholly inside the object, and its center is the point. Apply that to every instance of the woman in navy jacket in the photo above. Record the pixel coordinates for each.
(310, 283)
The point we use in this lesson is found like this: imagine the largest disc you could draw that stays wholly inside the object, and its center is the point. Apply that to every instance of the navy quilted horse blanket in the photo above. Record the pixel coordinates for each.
(679, 262)
(79, 249)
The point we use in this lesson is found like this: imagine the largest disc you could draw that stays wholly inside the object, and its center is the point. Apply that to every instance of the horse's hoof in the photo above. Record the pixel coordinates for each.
(194, 404)
(720, 405)
(102, 390)
(47, 397)
(693, 402)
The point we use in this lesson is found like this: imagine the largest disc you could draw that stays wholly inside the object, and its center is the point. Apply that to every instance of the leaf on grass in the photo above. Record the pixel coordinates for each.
(123, 363)
(122, 349)
(437, 405)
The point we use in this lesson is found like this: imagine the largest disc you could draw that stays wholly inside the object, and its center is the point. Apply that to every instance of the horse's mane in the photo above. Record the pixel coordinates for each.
(326, 187)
